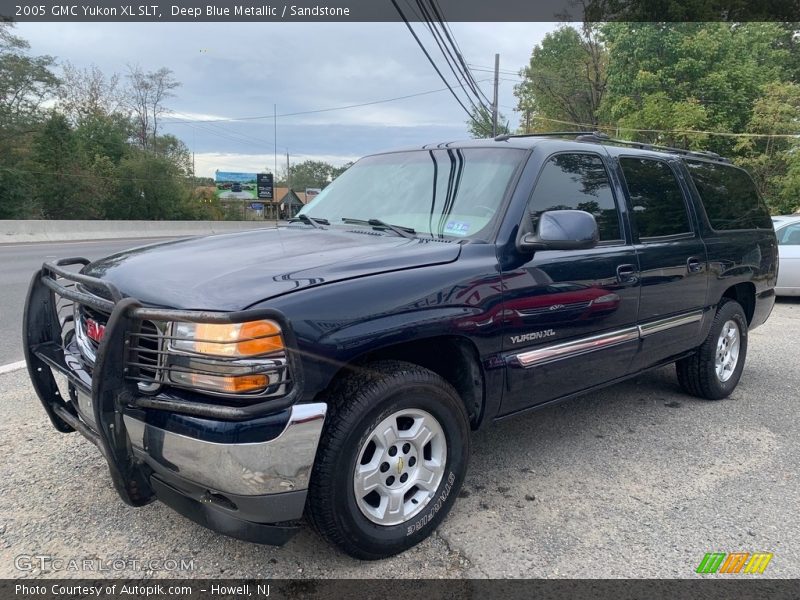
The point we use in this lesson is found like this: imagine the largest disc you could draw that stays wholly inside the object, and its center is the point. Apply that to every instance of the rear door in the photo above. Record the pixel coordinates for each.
(570, 316)
(671, 254)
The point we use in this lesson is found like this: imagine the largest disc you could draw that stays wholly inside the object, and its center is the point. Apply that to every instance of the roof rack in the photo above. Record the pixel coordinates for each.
(602, 138)
(507, 136)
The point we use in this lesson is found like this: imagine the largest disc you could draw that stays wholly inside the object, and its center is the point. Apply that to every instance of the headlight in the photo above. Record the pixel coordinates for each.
(240, 340)
(235, 358)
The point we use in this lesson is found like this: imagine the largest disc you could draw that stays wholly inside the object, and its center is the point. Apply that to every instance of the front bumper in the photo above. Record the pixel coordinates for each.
(240, 470)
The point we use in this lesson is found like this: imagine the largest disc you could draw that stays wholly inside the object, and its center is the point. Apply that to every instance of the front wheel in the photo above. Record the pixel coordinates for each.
(713, 371)
(391, 460)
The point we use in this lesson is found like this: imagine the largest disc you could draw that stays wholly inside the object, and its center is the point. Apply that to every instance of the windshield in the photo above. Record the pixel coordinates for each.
(438, 193)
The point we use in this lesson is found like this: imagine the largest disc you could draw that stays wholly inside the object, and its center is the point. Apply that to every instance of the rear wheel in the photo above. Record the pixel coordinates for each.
(391, 459)
(715, 368)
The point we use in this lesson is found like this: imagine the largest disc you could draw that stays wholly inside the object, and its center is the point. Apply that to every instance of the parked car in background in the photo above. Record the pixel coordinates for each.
(787, 229)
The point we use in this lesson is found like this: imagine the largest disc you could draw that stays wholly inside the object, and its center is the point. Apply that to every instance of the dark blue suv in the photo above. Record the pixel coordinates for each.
(334, 367)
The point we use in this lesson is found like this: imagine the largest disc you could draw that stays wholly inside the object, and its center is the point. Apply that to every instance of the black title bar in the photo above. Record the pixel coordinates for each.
(385, 10)
(743, 588)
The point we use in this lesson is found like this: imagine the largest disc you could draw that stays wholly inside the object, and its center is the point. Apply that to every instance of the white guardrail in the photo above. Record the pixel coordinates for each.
(60, 231)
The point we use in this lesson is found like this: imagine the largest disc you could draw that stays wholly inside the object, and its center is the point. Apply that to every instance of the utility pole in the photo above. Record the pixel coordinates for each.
(288, 183)
(274, 206)
(494, 102)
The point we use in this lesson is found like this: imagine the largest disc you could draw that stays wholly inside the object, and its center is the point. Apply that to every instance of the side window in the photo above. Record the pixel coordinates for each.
(789, 235)
(656, 198)
(729, 196)
(577, 182)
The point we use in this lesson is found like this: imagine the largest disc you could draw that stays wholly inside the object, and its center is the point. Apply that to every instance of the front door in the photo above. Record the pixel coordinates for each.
(570, 316)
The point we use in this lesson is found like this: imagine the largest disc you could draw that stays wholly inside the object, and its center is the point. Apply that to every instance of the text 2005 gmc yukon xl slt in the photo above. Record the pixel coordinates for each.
(335, 366)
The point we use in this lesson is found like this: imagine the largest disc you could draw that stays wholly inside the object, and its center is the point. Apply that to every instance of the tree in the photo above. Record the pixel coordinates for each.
(564, 82)
(56, 174)
(175, 151)
(149, 187)
(25, 81)
(771, 155)
(336, 171)
(146, 94)
(310, 174)
(689, 76)
(102, 134)
(88, 93)
(480, 125)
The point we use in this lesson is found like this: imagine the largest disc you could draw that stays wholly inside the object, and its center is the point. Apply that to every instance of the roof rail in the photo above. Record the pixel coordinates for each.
(507, 136)
(602, 138)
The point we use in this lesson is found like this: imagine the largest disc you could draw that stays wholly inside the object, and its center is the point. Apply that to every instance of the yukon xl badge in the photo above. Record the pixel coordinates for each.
(530, 337)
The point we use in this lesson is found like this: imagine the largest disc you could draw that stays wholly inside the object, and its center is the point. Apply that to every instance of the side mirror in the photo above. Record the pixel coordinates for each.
(562, 230)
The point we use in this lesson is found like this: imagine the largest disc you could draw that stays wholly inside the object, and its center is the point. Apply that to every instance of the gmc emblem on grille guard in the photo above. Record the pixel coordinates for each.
(95, 330)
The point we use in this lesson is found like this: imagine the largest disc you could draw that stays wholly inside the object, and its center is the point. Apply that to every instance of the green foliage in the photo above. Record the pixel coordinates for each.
(688, 76)
(148, 186)
(25, 80)
(56, 175)
(695, 85)
(81, 160)
(310, 174)
(564, 81)
(772, 158)
(480, 125)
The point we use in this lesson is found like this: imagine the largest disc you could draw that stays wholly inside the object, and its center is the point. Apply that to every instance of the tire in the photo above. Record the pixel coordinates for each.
(402, 398)
(699, 374)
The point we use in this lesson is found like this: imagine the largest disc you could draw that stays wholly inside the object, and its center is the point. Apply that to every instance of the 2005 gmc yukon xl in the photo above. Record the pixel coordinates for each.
(334, 367)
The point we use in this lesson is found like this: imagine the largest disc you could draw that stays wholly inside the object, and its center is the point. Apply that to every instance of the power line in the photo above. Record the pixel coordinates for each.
(430, 59)
(450, 36)
(451, 61)
(674, 131)
(462, 63)
(311, 112)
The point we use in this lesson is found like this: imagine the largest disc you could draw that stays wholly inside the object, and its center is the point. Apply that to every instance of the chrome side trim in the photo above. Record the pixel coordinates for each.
(604, 340)
(676, 321)
(567, 349)
(279, 465)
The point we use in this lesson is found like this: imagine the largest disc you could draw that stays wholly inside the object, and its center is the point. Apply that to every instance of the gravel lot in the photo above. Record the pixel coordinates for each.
(637, 480)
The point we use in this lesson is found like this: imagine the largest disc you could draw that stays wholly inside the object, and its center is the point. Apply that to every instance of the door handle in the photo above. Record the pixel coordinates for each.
(627, 274)
(694, 265)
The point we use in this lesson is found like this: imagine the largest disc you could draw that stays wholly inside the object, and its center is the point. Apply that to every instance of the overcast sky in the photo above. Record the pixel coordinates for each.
(243, 69)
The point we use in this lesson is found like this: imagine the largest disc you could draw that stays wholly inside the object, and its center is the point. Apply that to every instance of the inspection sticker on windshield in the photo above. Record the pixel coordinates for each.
(456, 228)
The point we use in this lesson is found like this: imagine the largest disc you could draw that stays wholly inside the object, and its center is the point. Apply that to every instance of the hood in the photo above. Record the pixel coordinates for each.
(234, 271)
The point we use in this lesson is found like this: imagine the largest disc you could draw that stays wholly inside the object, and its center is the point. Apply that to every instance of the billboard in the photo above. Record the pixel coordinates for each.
(237, 186)
(264, 186)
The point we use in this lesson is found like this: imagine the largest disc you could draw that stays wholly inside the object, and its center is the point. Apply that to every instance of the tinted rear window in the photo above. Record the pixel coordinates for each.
(729, 196)
(656, 198)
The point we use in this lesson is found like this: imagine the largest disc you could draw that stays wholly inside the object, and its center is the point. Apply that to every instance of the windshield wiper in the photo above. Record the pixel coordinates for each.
(406, 232)
(314, 222)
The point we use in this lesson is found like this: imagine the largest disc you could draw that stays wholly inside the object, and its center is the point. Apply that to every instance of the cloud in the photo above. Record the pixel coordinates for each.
(245, 69)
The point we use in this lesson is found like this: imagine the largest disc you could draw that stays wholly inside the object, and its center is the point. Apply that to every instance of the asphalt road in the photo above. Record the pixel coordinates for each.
(17, 265)
(638, 480)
